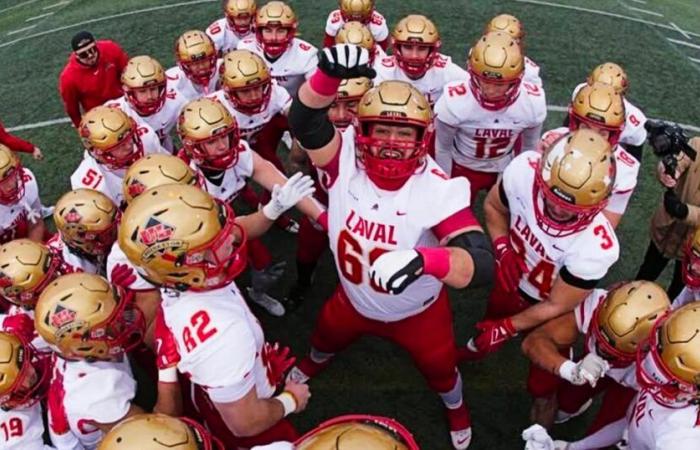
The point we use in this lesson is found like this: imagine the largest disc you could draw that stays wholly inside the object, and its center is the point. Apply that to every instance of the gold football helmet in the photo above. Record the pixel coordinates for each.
(390, 162)
(183, 238)
(87, 221)
(244, 72)
(26, 267)
(143, 73)
(600, 108)
(110, 136)
(358, 34)
(358, 432)
(23, 373)
(209, 134)
(153, 171)
(358, 10)
(573, 182)
(508, 24)
(496, 66)
(691, 261)
(412, 35)
(11, 180)
(240, 14)
(670, 367)
(196, 55)
(344, 109)
(84, 318)
(625, 318)
(272, 15)
(612, 74)
(159, 432)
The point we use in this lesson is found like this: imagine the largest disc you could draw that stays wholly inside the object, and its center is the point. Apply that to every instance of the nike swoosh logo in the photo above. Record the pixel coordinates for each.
(462, 441)
(399, 213)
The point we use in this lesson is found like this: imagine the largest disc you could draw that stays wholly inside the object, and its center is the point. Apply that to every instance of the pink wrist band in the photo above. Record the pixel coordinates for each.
(436, 261)
(322, 220)
(323, 84)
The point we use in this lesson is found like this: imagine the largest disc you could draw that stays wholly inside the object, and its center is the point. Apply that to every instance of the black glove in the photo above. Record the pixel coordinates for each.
(345, 61)
(674, 206)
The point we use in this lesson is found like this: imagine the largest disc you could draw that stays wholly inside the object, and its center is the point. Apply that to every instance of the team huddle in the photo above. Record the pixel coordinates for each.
(380, 128)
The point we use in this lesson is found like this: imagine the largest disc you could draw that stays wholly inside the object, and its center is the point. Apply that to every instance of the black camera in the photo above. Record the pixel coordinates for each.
(668, 140)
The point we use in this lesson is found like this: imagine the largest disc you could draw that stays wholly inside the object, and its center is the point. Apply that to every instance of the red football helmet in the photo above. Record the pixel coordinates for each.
(24, 372)
(11, 180)
(274, 16)
(358, 431)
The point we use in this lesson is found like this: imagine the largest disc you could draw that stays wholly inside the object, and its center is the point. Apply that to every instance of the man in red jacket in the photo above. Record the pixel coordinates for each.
(19, 145)
(92, 74)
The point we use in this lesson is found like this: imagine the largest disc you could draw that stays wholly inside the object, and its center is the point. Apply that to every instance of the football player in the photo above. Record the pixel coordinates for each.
(664, 414)
(192, 246)
(358, 34)
(552, 242)
(197, 70)
(20, 206)
(484, 122)
(86, 224)
(600, 108)
(633, 135)
(91, 325)
(359, 11)
(393, 258)
(510, 24)
(225, 162)
(614, 324)
(690, 267)
(148, 98)
(417, 59)
(352, 431)
(236, 25)
(159, 432)
(113, 141)
(24, 375)
(313, 239)
(291, 60)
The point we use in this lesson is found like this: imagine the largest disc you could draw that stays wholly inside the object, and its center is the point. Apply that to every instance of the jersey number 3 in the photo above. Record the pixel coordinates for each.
(200, 323)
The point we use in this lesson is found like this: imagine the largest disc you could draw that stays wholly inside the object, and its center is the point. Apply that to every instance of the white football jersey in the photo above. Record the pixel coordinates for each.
(163, 121)
(275, 446)
(234, 178)
(625, 179)
(377, 25)
(117, 256)
(687, 295)
(532, 72)
(584, 312)
(486, 141)
(188, 88)
(250, 125)
(294, 66)
(365, 221)
(431, 84)
(92, 175)
(225, 38)
(22, 429)
(653, 426)
(15, 219)
(634, 132)
(82, 393)
(219, 342)
(72, 261)
(587, 254)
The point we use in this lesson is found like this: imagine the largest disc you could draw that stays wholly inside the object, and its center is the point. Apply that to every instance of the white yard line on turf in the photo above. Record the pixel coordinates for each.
(643, 11)
(639, 1)
(19, 30)
(102, 19)
(62, 120)
(695, 60)
(687, 44)
(680, 30)
(18, 5)
(56, 5)
(604, 13)
(40, 16)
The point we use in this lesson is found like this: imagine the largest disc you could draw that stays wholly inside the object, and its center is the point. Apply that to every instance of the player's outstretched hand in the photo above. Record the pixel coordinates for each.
(279, 361)
(297, 187)
(345, 61)
(301, 394)
(394, 271)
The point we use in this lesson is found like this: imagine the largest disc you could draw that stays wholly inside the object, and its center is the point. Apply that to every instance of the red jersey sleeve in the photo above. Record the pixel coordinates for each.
(13, 142)
(461, 219)
(328, 40)
(167, 355)
(70, 97)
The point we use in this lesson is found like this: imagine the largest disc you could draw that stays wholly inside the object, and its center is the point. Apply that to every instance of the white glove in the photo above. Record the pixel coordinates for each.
(537, 438)
(295, 189)
(394, 271)
(589, 370)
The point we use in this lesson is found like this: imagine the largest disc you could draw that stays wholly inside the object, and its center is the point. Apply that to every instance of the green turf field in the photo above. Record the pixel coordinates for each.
(372, 376)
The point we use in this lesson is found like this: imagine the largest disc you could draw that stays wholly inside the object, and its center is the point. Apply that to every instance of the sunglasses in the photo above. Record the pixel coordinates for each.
(88, 53)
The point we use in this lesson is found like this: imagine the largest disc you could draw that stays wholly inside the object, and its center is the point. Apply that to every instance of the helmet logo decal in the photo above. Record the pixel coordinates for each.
(155, 231)
(62, 316)
(136, 188)
(73, 216)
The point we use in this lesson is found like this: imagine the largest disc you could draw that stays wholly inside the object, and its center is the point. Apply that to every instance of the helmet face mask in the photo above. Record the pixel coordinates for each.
(144, 84)
(240, 15)
(27, 268)
(24, 373)
(246, 81)
(252, 99)
(344, 109)
(416, 43)
(11, 180)
(196, 56)
(111, 137)
(496, 68)
(275, 28)
(598, 107)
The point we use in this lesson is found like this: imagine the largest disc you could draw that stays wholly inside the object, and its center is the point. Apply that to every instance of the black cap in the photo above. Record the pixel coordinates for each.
(82, 39)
